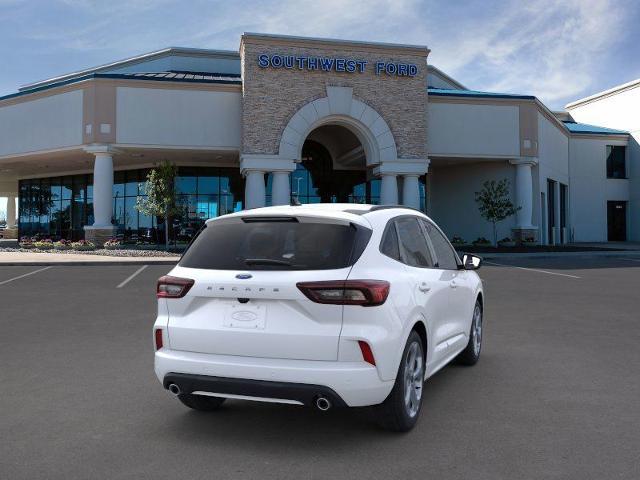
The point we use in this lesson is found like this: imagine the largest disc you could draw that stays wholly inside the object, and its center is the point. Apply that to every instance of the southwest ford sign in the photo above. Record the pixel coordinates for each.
(333, 64)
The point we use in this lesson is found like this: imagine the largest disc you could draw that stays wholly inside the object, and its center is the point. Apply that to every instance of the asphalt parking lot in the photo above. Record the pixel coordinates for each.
(555, 394)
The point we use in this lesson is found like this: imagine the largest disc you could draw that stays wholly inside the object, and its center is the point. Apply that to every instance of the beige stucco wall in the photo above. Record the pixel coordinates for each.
(467, 129)
(54, 121)
(178, 117)
(271, 96)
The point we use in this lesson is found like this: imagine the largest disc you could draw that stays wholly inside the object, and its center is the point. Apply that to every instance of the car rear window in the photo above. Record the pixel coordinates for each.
(276, 244)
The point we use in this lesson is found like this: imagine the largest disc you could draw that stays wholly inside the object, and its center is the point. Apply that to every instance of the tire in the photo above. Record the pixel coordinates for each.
(471, 354)
(401, 409)
(201, 402)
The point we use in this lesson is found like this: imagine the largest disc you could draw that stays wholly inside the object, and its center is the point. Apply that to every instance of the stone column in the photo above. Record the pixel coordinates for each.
(524, 198)
(254, 190)
(389, 189)
(280, 189)
(410, 170)
(11, 232)
(11, 211)
(102, 229)
(253, 166)
(411, 191)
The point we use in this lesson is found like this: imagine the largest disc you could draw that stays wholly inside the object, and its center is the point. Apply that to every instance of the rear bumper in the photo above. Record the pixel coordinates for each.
(353, 384)
(299, 393)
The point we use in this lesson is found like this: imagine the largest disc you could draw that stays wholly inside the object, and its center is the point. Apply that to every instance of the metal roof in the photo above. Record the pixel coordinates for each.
(475, 93)
(585, 128)
(186, 77)
(177, 75)
(135, 60)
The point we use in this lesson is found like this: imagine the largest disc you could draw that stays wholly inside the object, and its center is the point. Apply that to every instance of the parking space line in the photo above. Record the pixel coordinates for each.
(25, 275)
(533, 270)
(132, 276)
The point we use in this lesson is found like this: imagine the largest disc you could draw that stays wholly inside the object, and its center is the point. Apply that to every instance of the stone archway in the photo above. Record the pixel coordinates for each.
(340, 108)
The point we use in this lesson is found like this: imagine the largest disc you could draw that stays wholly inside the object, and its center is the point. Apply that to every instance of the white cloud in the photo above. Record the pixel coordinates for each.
(546, 48)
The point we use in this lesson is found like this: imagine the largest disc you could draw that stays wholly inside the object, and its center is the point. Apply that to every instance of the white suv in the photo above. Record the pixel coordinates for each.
(323, 305)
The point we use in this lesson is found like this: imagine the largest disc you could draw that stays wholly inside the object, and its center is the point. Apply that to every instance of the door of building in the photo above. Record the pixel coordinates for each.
(563, 213)
(551, 211)
(617, 221)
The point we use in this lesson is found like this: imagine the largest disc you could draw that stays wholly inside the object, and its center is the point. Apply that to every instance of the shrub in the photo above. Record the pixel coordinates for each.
(83, 245)
(112, 244)
(456, 240)
(46, 244)
(481, 241)
(26, 242)
(62, 245)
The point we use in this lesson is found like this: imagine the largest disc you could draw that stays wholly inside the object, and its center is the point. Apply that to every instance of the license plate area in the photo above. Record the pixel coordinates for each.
(246, 316)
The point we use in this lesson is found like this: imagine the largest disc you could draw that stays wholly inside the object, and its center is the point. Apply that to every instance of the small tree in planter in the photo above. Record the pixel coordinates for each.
(160, 200)
(494, 203)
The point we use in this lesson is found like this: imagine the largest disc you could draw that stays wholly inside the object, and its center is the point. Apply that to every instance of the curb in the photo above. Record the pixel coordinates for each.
(87, 263)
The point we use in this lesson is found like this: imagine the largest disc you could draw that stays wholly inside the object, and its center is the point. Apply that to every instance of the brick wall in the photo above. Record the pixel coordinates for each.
(271, 96)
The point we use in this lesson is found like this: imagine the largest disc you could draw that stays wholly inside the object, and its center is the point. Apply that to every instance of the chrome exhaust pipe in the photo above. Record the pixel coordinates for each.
(175, 389)
(323, 404)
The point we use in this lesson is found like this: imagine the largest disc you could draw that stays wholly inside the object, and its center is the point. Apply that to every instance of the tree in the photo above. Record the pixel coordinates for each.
(494, 203)
(160, 199)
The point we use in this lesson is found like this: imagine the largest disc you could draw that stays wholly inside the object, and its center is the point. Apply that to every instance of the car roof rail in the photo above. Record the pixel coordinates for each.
(375, 208)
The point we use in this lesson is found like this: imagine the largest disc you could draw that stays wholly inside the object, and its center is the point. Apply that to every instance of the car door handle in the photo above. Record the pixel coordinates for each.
(453, 284)
(423, 287)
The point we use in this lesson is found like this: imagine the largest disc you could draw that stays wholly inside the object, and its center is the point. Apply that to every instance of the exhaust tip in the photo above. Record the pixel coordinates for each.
(323, 403)
(175, 389)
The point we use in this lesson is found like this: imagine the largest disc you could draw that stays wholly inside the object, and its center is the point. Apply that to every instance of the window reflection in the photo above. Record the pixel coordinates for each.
(60, 207)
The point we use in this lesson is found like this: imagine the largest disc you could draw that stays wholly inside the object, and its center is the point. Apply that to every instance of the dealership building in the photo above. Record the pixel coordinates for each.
(312, 120)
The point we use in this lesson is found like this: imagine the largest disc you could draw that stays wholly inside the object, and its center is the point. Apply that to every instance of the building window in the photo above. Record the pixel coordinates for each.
(616, 161)
(305, 188)
(60, 207)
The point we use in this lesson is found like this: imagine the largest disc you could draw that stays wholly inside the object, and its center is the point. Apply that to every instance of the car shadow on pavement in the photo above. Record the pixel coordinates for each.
(254, 425)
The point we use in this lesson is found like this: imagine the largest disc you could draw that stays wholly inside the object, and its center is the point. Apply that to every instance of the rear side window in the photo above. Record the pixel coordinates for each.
(445, 255)
(274, 244)
(413, 244)
(389, 245)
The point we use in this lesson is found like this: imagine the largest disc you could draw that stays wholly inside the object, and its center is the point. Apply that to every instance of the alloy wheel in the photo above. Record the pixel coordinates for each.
(476, 330)
(413, 379)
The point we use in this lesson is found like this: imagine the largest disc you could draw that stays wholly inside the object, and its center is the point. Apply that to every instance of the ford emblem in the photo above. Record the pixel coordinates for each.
(243, 276)
(244, 316)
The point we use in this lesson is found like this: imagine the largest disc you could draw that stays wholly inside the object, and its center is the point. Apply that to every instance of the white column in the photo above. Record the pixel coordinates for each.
(389, 189)
(280, 189)
(103, 189)
(524, 193)
(254, 191)
(11, 212)
(411, 191)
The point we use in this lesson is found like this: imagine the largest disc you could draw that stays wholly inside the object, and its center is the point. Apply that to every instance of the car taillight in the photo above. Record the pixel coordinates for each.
(158, 337)
(173, 287)
(367, 293)
(367, 354)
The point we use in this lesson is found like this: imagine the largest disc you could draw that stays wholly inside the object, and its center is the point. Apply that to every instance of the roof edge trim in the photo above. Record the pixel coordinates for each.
(603, 94)
(115, 76)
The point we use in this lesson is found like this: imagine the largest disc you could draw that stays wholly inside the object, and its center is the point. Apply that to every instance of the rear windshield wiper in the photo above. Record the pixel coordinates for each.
(267, 261)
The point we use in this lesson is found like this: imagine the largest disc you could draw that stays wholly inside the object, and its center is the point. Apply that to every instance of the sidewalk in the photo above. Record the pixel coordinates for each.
(635, 254)
(32, 258)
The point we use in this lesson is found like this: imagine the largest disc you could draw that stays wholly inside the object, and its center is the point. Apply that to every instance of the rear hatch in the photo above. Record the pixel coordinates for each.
(244, 300)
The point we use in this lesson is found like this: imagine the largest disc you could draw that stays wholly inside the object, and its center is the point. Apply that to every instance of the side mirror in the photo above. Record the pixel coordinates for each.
(471, 262)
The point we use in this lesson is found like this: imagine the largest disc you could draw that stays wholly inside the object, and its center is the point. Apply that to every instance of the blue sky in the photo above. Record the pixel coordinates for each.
(557, 50)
